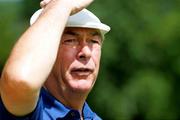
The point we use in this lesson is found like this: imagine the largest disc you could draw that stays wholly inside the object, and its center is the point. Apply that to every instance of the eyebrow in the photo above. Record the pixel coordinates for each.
(95, 33)
(69, 32)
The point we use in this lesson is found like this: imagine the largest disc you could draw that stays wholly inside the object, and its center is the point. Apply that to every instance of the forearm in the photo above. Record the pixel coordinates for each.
(35, 52)
(32, 59)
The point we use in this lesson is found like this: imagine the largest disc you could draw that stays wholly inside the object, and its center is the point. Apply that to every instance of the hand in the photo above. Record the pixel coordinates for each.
(76, 5)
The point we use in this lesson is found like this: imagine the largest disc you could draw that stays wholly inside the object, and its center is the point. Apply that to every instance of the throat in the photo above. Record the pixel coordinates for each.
(74, 100)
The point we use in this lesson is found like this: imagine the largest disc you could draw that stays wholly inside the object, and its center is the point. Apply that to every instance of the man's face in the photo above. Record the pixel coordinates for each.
(78, 59)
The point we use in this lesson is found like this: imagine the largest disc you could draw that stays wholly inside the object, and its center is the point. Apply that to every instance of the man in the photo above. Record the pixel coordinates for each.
(54, 64)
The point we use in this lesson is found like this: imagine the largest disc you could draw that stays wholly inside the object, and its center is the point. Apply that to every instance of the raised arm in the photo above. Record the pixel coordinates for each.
(33, 56)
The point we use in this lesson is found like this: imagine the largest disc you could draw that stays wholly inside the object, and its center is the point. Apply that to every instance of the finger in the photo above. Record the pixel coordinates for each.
(83, 3)
(44, 3)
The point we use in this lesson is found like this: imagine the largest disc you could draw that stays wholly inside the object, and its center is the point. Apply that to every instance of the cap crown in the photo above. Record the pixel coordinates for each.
(84, 18)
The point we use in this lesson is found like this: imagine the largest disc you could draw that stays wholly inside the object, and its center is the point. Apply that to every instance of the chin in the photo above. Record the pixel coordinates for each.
(81, 85)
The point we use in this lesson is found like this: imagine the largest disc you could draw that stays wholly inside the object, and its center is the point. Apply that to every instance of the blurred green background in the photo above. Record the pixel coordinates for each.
(140, 66)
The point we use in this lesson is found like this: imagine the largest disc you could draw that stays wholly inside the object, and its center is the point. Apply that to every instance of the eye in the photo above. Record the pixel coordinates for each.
(71, 42)
(94, 41)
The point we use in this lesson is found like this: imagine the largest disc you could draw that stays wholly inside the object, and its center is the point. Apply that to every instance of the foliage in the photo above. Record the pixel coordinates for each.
(11, 25)
(140, 66)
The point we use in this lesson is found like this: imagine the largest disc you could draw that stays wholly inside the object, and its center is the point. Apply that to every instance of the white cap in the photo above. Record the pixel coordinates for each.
(84, 18)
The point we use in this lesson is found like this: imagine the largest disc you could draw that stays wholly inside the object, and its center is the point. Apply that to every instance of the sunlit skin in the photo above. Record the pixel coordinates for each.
(77, 65)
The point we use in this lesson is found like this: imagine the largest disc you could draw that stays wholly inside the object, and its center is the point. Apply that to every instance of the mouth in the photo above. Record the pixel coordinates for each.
(81, 71)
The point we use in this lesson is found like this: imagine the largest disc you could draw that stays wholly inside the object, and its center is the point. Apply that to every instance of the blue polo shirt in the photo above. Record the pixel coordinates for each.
(49, 108)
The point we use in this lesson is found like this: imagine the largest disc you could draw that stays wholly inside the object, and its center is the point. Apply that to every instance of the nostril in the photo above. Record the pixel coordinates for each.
(82, 57)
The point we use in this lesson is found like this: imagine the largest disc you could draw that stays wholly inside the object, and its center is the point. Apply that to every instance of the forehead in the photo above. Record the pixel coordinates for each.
(79, 31)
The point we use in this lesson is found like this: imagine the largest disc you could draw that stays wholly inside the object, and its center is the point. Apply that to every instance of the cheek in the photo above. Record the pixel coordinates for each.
(66, 57)
(96, 56)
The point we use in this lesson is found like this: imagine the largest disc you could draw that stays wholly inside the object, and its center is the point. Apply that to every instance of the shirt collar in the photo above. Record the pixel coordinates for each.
(87, 112)
(62, 110)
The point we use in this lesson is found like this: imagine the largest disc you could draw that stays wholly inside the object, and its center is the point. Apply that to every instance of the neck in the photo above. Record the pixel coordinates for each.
(71, 98)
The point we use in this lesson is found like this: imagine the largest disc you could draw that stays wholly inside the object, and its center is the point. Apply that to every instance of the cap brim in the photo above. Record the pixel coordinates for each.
(35, 16)
(102, 27)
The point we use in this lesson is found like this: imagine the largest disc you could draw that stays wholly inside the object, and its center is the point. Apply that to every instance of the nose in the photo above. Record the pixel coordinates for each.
(84, 53)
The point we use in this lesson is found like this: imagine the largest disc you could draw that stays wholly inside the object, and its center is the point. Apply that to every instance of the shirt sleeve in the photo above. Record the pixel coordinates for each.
(35, 115)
